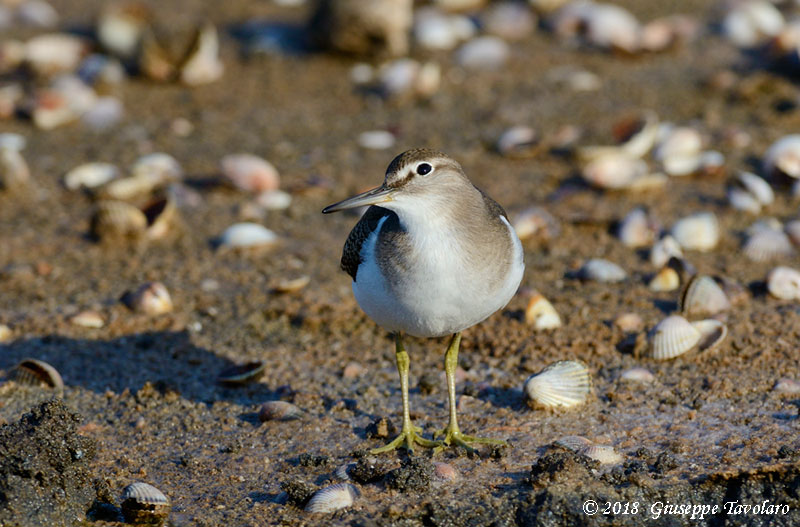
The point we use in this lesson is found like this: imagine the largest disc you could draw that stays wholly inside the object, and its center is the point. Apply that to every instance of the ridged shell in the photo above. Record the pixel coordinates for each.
(672, 337)
(144, 493)
(636, 229)
(143, 504)
(703, 296)
(679, 150)
(784, 283)
(573, 443)
(699, 232)
(792, 229)
(601, 270)
(541, 313)
(667, 279)
(712, 333)
(117, 219)
(279, 411)
(562, 384)
(663, 250)
(603, 454)
(242, 373)
(333, 498)
(765, 245)
(757, 187)
(783, 156)
(38, 372)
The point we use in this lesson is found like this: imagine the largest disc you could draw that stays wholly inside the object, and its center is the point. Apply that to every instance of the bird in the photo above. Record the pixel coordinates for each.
(431, 256)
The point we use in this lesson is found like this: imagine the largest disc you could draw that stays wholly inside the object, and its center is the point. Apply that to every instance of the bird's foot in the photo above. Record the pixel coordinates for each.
(454, 437)
(407, 438)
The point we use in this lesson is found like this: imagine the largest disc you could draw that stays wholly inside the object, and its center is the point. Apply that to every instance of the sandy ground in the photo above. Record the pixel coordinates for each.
(712, 428)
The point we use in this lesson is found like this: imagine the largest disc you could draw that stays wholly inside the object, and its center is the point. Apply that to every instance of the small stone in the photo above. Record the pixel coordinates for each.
(376, 140)
(353, 370)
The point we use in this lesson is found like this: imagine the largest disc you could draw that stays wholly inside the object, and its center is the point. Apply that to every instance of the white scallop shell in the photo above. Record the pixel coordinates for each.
(699, 231)
(712, 333)
(573, 443)
(679, 150)
(332, 498)
(751, 22)
(703, 296)
(562, 384)
(247, 234)
(601, 270)
(664, 249)
(613, 27)
(757, 187)
(767, 244)
(144, 493)
(672, 337)
(784, 283)
(783, 156)
(636, 229)
(541, 313)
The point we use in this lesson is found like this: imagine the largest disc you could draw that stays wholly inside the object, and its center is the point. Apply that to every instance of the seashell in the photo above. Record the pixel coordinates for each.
(742, 200)
(105, 113)
(784, 283)
(249, 173)
(445, 472)
(509, 20)
(459, 5)
(612, 27)
(757, 187)
(343, 472)
(376, 140)
(751, 23)
(144, 504)
(120, 27)
(38, 373)
(332, 498)
(483, 53)
(10, 141)
(278, 411)
(600, 270)
(712, 333)
(672, 337)
(242, 373)
(576, 79)
(158, 167)
(667, 279)
(636, 229)
(37, 13)
(151, 298)
(648, 182)
(246, 234)
(664, 249)
(53, 53)
(603, 454)
(293, 285)
(518, 142)
(562, 384)
(792, 229)
(117, 220)
(679, 151)
(103, 71)
(398, 77)
(202, 64)
(638, 375)
(614, 170)
(703, 296)
(788, 386)
(88, 319)
(5, 333)
(541, 313)
(90, 175)
(699, 231)
(536, 221)
(64, 101)
(154, 62)
(573, 443)
(161, 214)
(439, 31)
(783, 157)
(14, 171)
(658, 35)
(768, 244)
(628, 322)
(274, 200)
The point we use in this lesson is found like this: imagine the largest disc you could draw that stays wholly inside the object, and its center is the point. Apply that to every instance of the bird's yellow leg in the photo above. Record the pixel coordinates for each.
(452, 434)
(410, 433)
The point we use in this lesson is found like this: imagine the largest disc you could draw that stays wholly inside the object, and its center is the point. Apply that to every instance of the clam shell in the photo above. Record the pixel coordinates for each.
(672, 337)
(635, 229)
(628, 322)
(53, 53)
(765, 245)
(699, 232)
(614, 170)
(638, 375)
(483, 53)
(541, 313)
(249, 173)
(757, 187)
(712, 333)
(332, 498)
(784, 283)
(679, 151)
(509, 20)
(116, 220)
(445, 472)
(792, 229)
(536, 221)
(274, 200)
(37, 373)
(161, 217)
(518, 142)
(573, 443)
(279, 411)
(436, 30)
(159, 167)
(202, 64)
(144, 504)
(703, 296)
(667, 279)
(562, 384)
(90, 175)
(742, 200)
(292, 285)
(783, 156)
(751, 23)
(120, 27)
(601, 270)
(88, 319)
(151, 298)
(243, 235)
(603, 454)
(242, 373)
(664, 249)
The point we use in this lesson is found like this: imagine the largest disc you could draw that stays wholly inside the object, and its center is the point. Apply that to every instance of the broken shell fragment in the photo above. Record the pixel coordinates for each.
(242, 373)
(113, 220)
(784, 283)
(712, 333)
(699, 231)
(292, 285)
(541, 313)
(703, 296)
(667, 279)
(614, 170)
(151, 298)
(636, 229)
(783, 157)
(144, 504)
(278, 411)
(536, 221)
(664, 249)
(202, 64)
(249, 173)
(604, 454)
(90, 175)
(672, 337)
(38, 373)
(246, 234)
(88, 319)
(562, 384)
(600, 270)
(332, 498)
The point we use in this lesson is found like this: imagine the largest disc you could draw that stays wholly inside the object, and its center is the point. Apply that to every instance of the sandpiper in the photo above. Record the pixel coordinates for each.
(431, 256)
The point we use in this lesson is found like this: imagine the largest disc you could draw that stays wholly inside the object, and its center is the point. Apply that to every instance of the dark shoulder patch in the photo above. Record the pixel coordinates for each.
(351, 255)
(494, 208)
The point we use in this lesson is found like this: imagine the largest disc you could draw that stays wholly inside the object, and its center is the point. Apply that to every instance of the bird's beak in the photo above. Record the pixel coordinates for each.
(375, 196)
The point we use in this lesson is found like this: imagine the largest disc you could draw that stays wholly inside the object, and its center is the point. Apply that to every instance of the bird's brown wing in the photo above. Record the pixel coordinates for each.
(351, 255)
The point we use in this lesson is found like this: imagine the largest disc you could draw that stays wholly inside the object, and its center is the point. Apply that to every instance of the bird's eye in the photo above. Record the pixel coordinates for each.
(424, 168)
